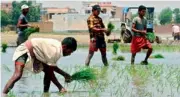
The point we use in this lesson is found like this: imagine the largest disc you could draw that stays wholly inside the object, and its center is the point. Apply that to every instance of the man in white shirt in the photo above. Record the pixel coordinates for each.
(41, 54)
(176, 32)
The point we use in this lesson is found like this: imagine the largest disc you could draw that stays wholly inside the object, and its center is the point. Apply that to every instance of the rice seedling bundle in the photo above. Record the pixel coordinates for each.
(31, 30)
(115, 48)
(4, 47)
(110, 27)
(84, 75)
(150, 36)
(119, 58)
(158, 56)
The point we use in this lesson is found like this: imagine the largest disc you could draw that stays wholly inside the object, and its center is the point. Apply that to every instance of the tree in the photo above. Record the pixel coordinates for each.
(177, 18)
(5, 18)
(165, 16)
(16, 12)
(176, 12)
(32, 16)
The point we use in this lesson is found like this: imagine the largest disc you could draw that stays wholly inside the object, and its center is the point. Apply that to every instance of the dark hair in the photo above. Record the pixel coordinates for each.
(123, 24)
(70, 42)
(96, 7)
(141, 7)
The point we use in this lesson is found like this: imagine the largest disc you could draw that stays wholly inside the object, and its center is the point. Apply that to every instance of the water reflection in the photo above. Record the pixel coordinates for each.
(140, 80)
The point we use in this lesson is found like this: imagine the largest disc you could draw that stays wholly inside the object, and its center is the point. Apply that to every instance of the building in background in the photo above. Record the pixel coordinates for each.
(49, 11)
(73, 22)
(7, 7)
(65, 20)
(106, 7)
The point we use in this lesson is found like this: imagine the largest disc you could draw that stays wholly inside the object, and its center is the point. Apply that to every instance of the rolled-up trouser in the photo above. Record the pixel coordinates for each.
(21, 60)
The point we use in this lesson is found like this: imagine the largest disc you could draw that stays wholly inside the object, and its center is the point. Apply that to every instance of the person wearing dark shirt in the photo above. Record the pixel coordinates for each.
(22, 24)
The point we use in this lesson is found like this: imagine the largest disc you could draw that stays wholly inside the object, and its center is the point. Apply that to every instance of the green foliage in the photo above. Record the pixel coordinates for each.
(176, 12)
(13, 16)
(84, 75)
(165, 16)
(4, 47)
(34, 14)
(177, 18)
(150, 36)
(115, 48)
(5, 18)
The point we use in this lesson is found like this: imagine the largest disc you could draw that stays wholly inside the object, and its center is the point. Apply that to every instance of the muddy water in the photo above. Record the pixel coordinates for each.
(119, 79)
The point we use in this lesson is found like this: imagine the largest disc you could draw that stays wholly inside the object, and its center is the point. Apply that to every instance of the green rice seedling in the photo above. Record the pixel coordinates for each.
(150, 36)
(103, 73)
(11, 94)
(157, 71)
(110, 27)
(158, 56)
(115, 48)
(86, 74)
(29, 31)
(119, 58)
(4, 47)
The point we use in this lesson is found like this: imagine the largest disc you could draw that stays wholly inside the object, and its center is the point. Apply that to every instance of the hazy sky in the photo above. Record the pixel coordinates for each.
(159, 5)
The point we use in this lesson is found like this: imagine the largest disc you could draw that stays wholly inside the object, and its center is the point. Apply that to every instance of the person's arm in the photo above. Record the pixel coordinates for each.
(63, 73)
(50, 76)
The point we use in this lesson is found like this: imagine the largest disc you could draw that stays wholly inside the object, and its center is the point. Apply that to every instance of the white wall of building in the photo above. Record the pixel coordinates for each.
(71, 22)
